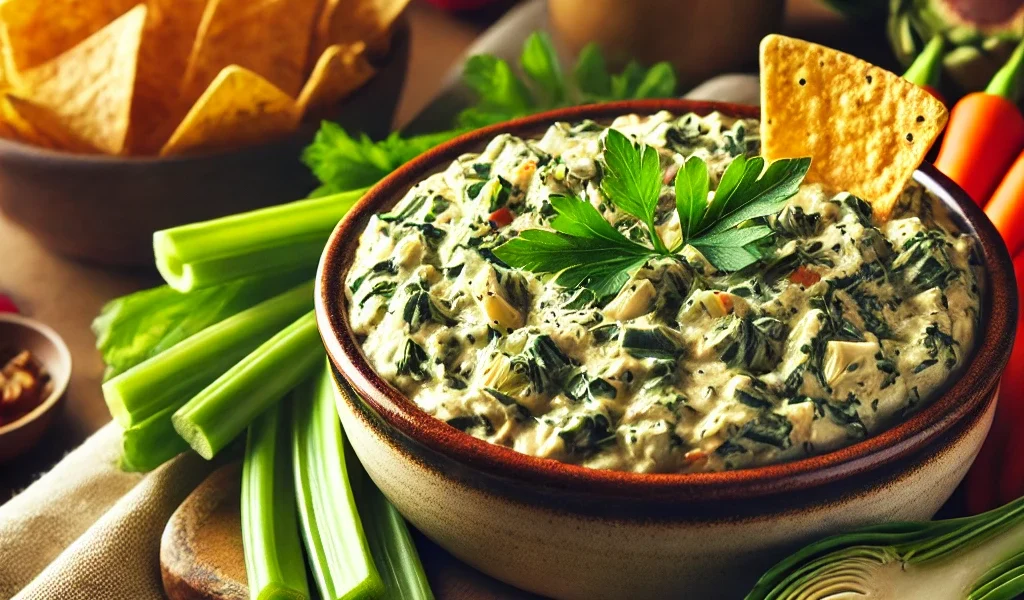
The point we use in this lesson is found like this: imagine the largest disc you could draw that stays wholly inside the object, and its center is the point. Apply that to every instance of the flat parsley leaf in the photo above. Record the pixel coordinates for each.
(584, 249)
(632, 180)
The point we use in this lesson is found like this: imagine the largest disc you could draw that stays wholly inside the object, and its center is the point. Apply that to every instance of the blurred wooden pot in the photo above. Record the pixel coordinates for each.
(700, 37)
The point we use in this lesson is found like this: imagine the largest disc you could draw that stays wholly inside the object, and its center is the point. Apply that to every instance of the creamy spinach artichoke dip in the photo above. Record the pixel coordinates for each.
(843, 327)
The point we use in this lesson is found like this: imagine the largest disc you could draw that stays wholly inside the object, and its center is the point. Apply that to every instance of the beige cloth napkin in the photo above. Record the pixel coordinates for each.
(87, 531)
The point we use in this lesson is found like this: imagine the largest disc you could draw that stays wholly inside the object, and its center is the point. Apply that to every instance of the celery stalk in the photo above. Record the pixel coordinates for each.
(151, 443)
(335, 543)
(391, 544)
(274, 563)
(269, 240)
(183, 370)
(222, 410)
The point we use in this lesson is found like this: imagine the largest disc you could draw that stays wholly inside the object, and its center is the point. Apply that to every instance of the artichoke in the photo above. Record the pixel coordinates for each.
(980, 33)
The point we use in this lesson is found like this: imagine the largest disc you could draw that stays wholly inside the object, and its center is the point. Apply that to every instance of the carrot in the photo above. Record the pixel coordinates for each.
(985, 133)
(991, 475)
(927, 67)
(1006, 208)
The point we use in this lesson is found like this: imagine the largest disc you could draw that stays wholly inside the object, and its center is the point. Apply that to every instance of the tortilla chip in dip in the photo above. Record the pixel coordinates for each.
(866, 129)
(238, 108)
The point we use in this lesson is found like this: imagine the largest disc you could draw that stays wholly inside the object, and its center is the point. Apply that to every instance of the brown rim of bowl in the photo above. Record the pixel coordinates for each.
(301, 134)
(977, 378)
(59, 387)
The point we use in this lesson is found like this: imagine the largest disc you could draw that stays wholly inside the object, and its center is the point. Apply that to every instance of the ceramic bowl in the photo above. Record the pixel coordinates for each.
(46, 346)
(570, 532)
(104, 209)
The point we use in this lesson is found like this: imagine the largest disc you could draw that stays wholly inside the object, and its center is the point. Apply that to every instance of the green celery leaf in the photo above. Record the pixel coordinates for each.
(136, 327)
(540, 62)
(500, 91)
(692, 185)
(343, 162)
(591, 74)
(658, 82)
(766, 195)
(626, 83)
(632, 180)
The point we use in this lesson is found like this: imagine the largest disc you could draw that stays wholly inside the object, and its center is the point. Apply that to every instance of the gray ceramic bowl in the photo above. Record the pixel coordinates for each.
(570, 532)
(22, 333)
(105, 209)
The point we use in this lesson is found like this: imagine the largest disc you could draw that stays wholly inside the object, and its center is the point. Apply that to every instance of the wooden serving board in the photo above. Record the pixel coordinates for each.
(201, 551)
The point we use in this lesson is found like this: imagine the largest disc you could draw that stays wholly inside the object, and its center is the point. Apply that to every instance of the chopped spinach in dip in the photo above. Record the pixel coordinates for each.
(842, 328)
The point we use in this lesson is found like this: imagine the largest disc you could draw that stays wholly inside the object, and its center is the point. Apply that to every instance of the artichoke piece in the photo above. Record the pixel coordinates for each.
(748, 343)
(495, 301)
(841, 357)
(794, 222)
(635, 300)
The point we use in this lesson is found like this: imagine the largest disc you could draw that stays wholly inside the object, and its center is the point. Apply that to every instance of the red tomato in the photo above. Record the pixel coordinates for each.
(501, 217)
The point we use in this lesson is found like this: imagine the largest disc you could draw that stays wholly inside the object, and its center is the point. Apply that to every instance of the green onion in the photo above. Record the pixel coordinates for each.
(977, 558)
(221, 411)
(274, 563)
(183, 370)
(335, 543)
(391, 544)
(269, 240)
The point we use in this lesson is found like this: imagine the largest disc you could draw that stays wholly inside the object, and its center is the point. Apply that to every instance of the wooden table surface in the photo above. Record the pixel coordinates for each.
(68, 295)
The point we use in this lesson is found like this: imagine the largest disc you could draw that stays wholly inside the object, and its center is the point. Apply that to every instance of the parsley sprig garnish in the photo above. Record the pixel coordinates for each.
(584, 249)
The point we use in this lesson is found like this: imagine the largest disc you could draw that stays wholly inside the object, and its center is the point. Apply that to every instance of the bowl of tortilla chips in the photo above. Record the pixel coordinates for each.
(122, 117)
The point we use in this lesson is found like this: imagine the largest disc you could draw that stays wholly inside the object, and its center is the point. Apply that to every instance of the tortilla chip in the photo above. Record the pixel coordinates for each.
(167, 40)
(342, 68)
(31, 123)
(238, 109)
(36, 31)
(350, 21)
(865, 129)
(269, 37)
(90, 87)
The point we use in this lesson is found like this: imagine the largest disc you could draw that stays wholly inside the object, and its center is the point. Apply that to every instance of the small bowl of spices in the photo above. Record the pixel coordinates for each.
(35, 367)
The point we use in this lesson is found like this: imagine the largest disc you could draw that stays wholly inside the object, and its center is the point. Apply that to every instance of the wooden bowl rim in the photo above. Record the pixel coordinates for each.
(977, 379)
(60, 387)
